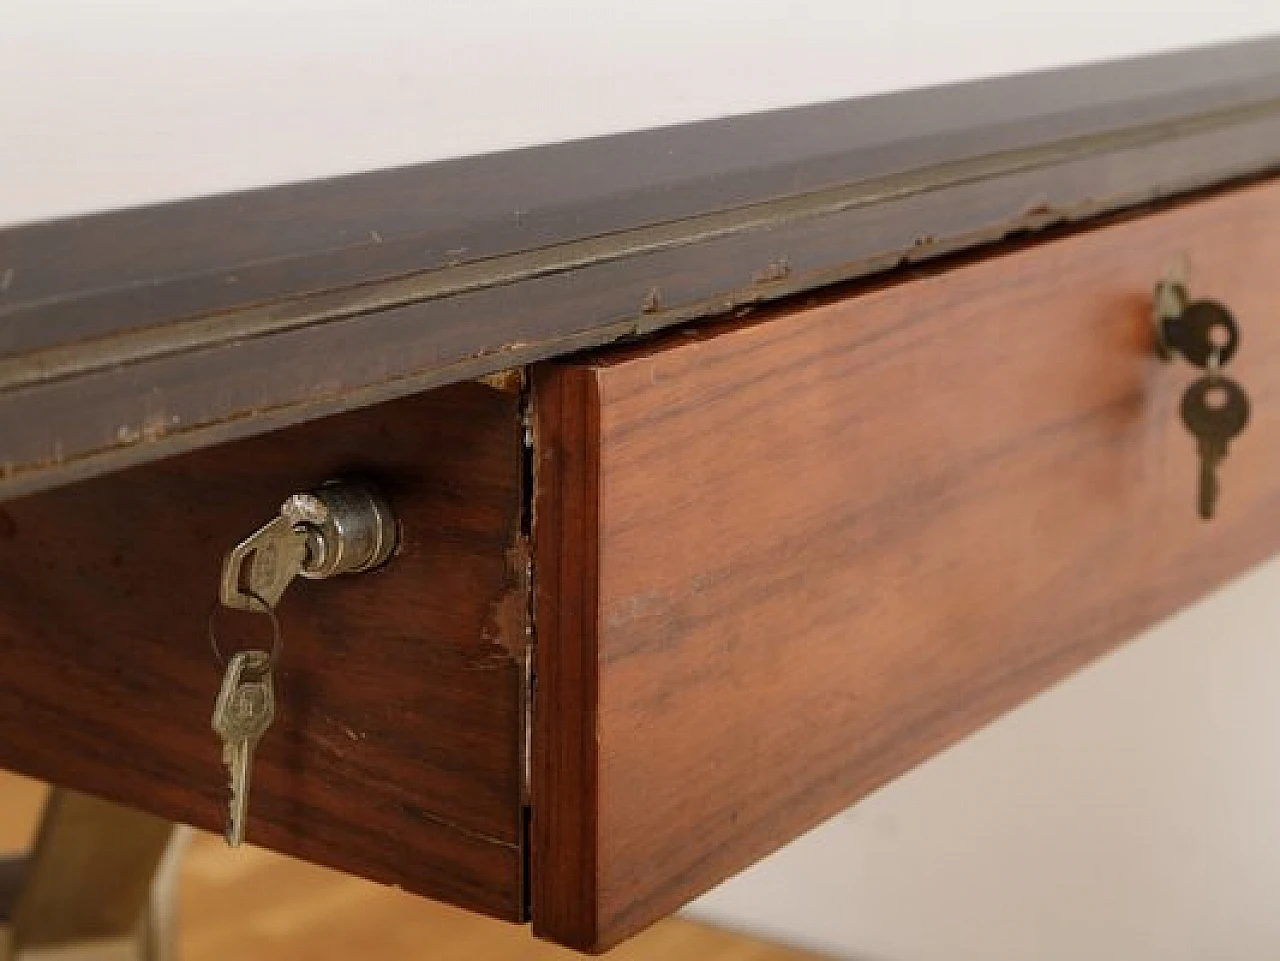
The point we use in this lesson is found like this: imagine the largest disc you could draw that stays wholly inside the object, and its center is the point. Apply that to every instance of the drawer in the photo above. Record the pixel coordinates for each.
(781, 560)
(747, 573)
(396, 752)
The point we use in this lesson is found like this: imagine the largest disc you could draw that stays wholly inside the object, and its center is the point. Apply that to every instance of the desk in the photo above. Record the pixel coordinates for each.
(729, 489)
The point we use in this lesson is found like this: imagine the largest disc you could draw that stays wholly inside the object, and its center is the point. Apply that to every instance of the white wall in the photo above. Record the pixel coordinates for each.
(109, 104)
(1130, 814)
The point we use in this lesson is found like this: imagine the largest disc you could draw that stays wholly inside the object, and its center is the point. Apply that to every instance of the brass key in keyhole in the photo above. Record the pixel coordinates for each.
(342, 527)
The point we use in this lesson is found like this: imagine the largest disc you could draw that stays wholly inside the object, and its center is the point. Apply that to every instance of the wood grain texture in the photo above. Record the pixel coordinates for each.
(565, 791)
(396, 750)
(254, 905)
(782, 561)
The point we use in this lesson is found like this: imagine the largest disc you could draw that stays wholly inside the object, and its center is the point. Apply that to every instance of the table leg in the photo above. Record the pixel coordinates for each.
(100, 883)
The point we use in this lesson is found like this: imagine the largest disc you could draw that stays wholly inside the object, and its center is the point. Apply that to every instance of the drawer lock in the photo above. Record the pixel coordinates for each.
(1215, 409)
(341, 527)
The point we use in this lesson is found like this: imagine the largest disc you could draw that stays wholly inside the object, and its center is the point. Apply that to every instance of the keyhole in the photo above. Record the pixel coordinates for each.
(1215, 398)
(1219, 336)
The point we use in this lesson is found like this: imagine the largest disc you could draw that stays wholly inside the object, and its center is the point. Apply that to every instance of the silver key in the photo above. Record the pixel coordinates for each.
(263, 565)
(342, 527)
(245, 708)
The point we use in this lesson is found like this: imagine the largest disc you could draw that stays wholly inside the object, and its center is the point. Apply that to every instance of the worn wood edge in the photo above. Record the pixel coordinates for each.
(476, 208)
(565, 772)
(645, 284)
(79, 357)
(142, 439)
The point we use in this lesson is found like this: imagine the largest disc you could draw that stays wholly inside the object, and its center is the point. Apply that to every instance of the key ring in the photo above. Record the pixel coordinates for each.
(277, 642)
(1214, 364)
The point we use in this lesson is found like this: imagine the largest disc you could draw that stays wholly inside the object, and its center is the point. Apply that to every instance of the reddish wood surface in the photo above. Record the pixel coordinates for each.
(395, 753)
(782, 561)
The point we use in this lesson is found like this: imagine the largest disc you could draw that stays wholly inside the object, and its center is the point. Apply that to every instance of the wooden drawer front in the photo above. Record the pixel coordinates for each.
(782, 561)
(396, 751)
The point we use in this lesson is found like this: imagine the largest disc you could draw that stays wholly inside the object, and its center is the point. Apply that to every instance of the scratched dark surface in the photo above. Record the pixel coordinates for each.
(132, 335)
(396, 749)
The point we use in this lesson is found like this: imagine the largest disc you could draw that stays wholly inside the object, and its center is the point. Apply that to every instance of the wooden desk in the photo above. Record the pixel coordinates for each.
(661, 606)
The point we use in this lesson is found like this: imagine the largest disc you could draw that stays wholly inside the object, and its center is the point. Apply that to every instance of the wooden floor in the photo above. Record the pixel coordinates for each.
(252, 905)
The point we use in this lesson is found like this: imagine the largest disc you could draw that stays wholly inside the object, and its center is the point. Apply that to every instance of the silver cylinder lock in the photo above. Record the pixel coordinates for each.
(341, 527)
(349, 528)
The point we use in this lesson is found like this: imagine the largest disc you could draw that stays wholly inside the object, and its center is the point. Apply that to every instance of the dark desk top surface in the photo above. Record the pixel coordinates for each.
(130, 335)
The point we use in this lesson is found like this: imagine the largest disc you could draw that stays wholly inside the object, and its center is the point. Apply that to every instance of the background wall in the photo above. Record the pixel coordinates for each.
(1130, 814)
(136, 101)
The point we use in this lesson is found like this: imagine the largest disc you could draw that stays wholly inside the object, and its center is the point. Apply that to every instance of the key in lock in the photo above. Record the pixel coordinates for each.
(342, 527)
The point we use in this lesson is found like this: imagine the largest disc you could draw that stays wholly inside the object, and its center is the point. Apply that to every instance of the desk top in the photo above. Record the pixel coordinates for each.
(130, 335)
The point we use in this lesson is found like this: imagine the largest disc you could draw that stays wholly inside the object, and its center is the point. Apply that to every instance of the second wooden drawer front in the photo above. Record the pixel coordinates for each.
(780, 562)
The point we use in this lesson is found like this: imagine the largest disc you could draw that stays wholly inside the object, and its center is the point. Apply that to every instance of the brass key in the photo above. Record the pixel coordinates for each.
(259, 569)
(342, 527)
(244, 711)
